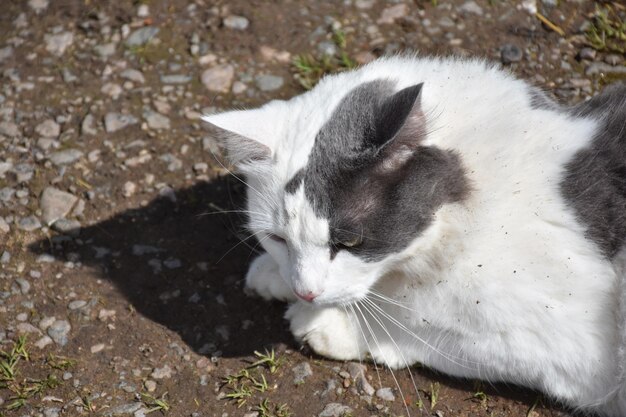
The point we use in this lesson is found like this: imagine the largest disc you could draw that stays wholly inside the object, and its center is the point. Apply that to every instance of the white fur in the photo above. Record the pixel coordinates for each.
(502, 287)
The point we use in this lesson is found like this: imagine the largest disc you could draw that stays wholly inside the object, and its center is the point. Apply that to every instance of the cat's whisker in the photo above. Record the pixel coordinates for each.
(210, 213)
(389, 300)
(382, 326)
(393, 375)
(369, 349)
(242, 241)
(447, 356)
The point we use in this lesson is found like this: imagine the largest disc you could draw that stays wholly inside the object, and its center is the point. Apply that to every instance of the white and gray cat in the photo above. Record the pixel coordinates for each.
(441, 211)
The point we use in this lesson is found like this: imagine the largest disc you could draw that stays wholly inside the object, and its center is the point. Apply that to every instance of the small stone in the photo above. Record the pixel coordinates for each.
(175, 79)
(201, 167)
(65, 157)
(25, 328)
(173, 163)
(218, 79)
(88, 126)
(38, 5)
(123, 410)
(69, 227)
(236, 22)
(4, 226)
(510, 53)
(133, 75)
(172, 263)
(129, 189)
(364, 4)
(76, 304)
(105, 50)
(6, 53)
(143, 10)
(155, 120)
(603, 68)
(48, 129)
(29, 224)
(68, 76)
(613, 59)
(268, 82)
(58, 43)
(55, 204)
(587, 53)
(161, 373)
(97, 348)
(390, 14)
(335, 410)
(471, 7)
(142, 36)
(116, 121)
(52, 412)
(59, 331)
(112, 90)
(239, 87)
(43, 342)
(5, 258)
(9, 129)
(24, 285)
(301, 372)
(46, 322)
(385, 394)
(104, 314)
(327, 48)
(150, 385)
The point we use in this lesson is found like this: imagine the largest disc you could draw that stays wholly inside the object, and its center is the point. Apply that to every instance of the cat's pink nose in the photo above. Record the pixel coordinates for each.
(307, 296)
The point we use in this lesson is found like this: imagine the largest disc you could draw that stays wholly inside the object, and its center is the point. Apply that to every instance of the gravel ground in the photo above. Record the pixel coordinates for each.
(120, 293)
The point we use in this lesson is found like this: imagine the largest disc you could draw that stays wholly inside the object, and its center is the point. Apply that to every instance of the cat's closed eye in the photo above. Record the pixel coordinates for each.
(350, 242)
(276, 238)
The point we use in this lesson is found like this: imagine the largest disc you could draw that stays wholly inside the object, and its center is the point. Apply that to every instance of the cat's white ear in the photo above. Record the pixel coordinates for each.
(400, 127)
(245, 134)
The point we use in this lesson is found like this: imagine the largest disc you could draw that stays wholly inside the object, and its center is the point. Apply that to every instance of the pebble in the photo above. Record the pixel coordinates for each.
(161, 373)
(24, 328)
(4, 226)
(613, 59)
(46, 322)
(150, 385)
(385, 394)
(9, 129)
(175, 79)
(218, 79)
(104, 314)
(6, 53)
(510, 53)
(327, 48)
(65, 157)
(173, 163)
(24, 285)
(68, 227)
(55, 204)
(587, 53)
(133, 75)
(335, 410)
(29, 224)
(143, 10)
(116, 121)
(5, 258)
(364, 4)
(58, 43)
(76, 304)
(142, 36)
(97, 348)
(88, 125)
(58, 331)
(123, 410)
(236, 22)
(129, 189)
(105, 50)
(301, 372)
(155, 120)
(390, 14)
(43, 342)
(268, 82)
(38, 5)
(52, 412)
(471, 7)
(112, 90)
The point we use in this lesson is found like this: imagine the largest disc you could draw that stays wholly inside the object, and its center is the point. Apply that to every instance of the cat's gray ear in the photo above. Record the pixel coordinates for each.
(400, 126)
(233, 131)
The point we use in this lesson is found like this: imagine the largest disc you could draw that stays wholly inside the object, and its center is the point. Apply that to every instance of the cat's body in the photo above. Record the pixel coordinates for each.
(469, 223)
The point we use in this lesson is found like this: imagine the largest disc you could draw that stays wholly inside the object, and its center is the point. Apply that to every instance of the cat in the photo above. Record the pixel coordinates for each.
(441, 211)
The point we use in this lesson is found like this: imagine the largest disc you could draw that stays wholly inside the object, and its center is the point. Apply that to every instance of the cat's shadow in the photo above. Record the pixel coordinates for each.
(181, 264)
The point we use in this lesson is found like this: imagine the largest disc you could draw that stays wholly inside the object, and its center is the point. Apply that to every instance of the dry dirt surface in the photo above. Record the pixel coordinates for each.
(121, 265)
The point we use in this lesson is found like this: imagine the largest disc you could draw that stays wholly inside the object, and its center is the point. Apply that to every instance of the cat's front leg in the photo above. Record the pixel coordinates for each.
(329, 331)
(263, 278)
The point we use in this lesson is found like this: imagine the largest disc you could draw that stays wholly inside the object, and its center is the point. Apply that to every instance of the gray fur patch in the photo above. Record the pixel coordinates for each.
(369, 175)
(595, 181)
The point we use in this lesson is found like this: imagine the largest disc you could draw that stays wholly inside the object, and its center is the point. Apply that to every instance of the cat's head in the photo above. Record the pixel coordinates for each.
(340, 185)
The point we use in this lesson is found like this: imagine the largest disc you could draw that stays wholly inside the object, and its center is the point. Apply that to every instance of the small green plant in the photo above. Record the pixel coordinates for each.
(267, 409)
(87, 404)
(434, 394)
(240, 393)
(10, 359)
(309, 69)
(607, 31)
(267, 359)
(155, 403)
(60, 363)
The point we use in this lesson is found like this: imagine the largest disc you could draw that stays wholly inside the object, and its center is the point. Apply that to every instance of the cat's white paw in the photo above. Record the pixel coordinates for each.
(328, 331)
(264, 279)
